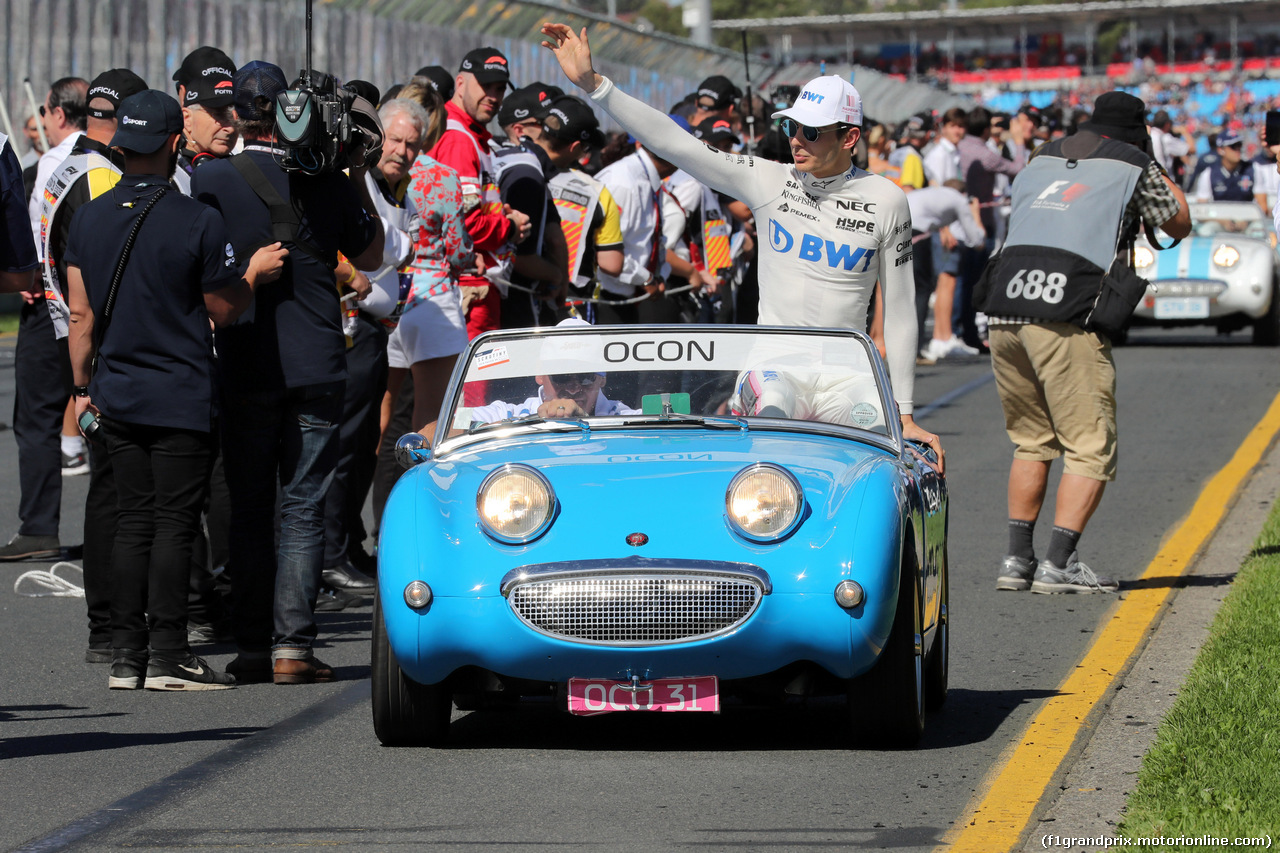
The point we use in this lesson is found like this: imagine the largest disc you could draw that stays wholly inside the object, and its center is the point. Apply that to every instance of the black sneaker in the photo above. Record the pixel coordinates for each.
(75, 464)
(251, 667)
(331, 600)
(208, 635)
(190, 674)
(97, 653)
(23, 547)
(127, 669)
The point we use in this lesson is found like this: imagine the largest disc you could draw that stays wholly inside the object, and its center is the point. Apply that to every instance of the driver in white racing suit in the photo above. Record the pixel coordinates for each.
(831, 230)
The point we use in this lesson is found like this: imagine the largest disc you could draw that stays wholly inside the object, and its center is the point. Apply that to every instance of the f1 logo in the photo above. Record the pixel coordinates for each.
(1070, 194)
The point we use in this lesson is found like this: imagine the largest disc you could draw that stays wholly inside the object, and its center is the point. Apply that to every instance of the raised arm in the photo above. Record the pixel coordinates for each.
(737, 175)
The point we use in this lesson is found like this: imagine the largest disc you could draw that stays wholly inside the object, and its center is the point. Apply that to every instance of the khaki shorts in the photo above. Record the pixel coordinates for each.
(1057, 385)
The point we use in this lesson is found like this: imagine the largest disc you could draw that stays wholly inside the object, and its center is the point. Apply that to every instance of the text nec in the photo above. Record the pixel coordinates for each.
(811, 96)
(616, 352)
(816, 249)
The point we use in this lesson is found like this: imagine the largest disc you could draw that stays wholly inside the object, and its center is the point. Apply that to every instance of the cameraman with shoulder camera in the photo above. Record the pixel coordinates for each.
(1058, 291)
(283, 373)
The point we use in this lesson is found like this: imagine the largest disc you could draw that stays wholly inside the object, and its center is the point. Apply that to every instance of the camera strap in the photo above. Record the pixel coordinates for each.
(100, 323)
(285, 222)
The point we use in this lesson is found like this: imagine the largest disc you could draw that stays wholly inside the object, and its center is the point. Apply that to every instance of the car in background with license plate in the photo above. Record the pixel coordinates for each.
(1223, 275)
(660, 519)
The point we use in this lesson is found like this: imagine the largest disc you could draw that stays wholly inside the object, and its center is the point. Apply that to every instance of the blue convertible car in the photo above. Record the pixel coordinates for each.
(655, 518)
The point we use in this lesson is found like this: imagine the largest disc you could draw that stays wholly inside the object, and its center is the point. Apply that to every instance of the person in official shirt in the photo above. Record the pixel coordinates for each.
(147, 318)
(283, 377)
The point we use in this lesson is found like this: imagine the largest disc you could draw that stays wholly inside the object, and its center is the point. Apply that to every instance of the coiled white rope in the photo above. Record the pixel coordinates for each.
(49, 585)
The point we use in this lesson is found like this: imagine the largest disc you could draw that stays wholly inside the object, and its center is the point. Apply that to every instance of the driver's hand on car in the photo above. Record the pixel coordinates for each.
(912, 431)
(561, 407)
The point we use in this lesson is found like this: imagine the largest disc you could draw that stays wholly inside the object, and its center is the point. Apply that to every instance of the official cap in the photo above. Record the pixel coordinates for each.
(256, 86)
(114, 86)
(439, 78)
(527, 102)
(146, 121)
(715, 130)
(487, 64)
(207, 75)
(825, 101)
(720, 90)
(570, 119)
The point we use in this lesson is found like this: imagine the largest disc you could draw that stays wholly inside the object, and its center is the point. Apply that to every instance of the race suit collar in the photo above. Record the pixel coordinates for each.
(456, 112)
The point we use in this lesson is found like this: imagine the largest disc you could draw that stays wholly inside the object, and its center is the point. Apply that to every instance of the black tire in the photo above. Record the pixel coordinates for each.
(938, 662)
(405, 713)
(1266, 329)
(888, 701)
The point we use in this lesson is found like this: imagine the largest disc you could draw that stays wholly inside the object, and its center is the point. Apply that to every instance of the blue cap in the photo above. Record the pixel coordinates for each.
(257, 80)
(146, 121)
(1228, 138)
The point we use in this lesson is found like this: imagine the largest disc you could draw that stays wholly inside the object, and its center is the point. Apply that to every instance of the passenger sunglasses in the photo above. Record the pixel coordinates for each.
(790, 127)
(581, 380)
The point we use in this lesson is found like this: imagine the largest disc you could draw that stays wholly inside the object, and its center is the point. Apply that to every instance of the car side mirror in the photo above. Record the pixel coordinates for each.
(411, 449)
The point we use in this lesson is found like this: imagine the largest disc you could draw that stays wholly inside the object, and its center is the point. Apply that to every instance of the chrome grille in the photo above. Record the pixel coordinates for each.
(635, 609)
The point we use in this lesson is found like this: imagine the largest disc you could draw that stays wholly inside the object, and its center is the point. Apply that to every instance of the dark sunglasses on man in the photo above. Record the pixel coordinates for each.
(791, 127)
(570, 381)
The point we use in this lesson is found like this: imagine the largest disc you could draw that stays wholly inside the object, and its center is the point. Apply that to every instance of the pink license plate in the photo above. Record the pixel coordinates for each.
(590, 696)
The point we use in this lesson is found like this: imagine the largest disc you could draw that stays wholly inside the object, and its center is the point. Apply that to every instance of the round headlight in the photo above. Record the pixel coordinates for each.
(764, 502)
(417, 595)
(1226, 256)
(1143, 257)
(515, 504)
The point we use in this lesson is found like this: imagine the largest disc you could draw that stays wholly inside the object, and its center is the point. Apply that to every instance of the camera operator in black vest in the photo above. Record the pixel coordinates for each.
(1061, 288)
(283, 372)
(147, 270)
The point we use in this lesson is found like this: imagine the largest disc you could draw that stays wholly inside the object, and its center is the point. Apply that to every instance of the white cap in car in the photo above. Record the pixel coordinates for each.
(825, 101)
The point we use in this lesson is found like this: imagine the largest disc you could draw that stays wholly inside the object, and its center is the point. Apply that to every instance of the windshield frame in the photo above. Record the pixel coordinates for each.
(444, 443)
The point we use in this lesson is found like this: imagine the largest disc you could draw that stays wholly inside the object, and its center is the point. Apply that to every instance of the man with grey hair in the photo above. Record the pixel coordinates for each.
(404, 125)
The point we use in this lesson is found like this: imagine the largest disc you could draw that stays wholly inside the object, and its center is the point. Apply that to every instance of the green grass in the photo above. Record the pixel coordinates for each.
(8, 323)
(1215, 766)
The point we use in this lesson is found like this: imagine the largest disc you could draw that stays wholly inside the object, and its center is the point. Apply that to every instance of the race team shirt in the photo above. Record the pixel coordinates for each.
(824, 241)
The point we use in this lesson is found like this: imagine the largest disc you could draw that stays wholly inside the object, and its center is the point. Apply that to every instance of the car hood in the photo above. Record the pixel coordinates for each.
(666, 483)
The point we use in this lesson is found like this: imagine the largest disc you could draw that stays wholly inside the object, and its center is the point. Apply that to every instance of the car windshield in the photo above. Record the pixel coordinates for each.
(588, 377)
(1244, 219)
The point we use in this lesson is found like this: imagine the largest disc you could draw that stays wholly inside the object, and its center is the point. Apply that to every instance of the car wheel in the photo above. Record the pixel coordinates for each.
(405, 713)
(1266, 329)
(937, 663)
(888, 701)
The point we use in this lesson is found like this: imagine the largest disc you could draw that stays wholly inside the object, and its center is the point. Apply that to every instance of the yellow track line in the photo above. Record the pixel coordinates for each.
(1014, 788)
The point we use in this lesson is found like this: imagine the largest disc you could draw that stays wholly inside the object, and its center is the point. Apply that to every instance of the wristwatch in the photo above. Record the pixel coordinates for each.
(80, 391)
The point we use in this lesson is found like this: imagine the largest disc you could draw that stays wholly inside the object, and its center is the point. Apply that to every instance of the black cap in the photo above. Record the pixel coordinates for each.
(258, 80)
(114, 85)
(570, 119)
(527, 102)
(146, 121)
(1033, 113)
(715, 130)
(487, 64)
(439, 78)
(1271, 135)
(207, 75)
(718, 89)
(1118, 115)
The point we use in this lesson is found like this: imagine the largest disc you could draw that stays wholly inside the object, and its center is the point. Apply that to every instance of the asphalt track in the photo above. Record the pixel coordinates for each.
(262, 767)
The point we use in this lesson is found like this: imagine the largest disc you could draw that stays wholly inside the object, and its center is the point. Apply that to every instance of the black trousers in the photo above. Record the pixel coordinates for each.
(42, 379)
(101, 521)
(387, 469)
(926, 280)
(357, 440)
(161, 478)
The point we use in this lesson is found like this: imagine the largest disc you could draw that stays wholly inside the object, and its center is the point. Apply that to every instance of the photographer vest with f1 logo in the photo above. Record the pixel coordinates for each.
(1060, 263)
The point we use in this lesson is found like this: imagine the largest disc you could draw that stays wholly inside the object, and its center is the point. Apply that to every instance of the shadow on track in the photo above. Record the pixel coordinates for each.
(63, 744)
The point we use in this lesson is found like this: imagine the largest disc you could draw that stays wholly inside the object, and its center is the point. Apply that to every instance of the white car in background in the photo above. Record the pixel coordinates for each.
(1223, 274)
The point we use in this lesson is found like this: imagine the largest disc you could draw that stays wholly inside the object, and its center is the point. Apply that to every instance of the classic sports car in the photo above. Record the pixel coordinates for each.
(653, 518)
(1223, 275)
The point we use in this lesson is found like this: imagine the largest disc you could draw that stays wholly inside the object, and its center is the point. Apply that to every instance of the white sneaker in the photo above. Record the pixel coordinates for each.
(935, 350)
(956, 347)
